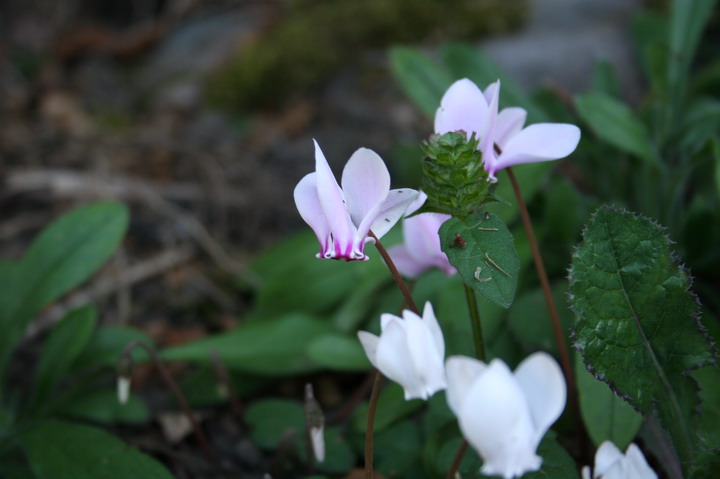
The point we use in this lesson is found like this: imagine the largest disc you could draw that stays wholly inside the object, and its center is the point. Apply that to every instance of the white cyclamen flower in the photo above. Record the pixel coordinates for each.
(502, 414)
(410, 351)
(610, 463)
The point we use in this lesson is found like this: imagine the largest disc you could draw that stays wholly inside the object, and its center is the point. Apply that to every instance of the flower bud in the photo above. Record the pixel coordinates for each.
(454, 177)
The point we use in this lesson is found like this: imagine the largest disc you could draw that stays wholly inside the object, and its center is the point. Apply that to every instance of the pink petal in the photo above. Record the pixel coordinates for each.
(463, 107)
(365, 183)
(386, 214)
(543, 383)
(539, 142)
(487, 140)
(332, 202)
(406, 263)
(509, 123)
(308, 204)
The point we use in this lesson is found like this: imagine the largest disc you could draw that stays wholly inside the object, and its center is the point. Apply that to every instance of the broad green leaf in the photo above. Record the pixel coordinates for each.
(607, 417)
(615, 123)
(103, 407)
(397, 450)
(468, 61)
(339, 352)
(604, 79)
(65, 450)
(482, 250)
(637, 326)
(65, 343)
(529, 319)
(391, 407)
(421, 78)
(262, 346)
(64, 255)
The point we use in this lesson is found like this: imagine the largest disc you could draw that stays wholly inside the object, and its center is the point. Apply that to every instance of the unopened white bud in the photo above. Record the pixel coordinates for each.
(317, 436)
(123, 389)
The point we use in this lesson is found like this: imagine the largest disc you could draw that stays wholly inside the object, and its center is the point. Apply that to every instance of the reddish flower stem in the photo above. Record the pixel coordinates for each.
(456, 461)
(396, 275)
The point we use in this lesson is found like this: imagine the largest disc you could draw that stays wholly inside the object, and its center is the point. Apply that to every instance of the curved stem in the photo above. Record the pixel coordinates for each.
(395, 274)
(170, 382)
(475, 322)
(372, 407)
(456, 460)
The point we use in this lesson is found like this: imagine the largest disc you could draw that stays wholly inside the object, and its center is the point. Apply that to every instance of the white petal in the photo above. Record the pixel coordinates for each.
(332, 202)
(317, 438)
(539, 142)
(393, 359)
(370, 344)
(637, 465)
(509, 123)
(461, 372)
(606, 457)
(123, 389)
(389, 212)
(406, 263)
(386, 318)
(431, 323)
(543, 384)
(308, 205)
(463, 107)
(495, 419)
(585, 473)
(365, 183)
(427, 358)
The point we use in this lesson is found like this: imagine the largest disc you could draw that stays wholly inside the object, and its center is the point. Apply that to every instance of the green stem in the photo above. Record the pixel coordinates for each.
(475, 322)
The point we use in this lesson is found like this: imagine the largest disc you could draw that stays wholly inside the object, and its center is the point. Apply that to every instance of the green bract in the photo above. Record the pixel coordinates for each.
(454, 178)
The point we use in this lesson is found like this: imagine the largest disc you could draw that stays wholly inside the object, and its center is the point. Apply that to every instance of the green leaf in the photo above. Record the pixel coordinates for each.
(103, 407)
(64, 450)
(637, 325)
(482, 250)
(107, 344)
(607, 417)
(262, 346)
(397, 450)
(716, 156)
(339, 352)
(65, 343)
(421, 78)
(615, 123)
(64, 255)
(271, 420)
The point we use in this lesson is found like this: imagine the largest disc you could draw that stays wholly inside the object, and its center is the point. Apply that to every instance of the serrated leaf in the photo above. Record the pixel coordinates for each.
(637, 325)
(65, 343)
(65, 450)
(615, 123)
(482, 250)
(261, 345)
(607, 417)
(64, 255)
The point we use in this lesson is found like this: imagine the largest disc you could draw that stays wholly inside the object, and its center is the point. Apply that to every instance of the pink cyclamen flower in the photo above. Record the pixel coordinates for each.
(610, 463)
(410, 351)
(343, 218)
(502, 414)
(465, 107)
(421, 250)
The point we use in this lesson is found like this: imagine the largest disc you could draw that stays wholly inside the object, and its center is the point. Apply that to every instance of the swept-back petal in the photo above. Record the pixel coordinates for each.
(495, 419)
(539, 142)
(637, 466)
(542, 381)
(509, 123)
(426, 357)
(606, 457)
(332, 201)
(461, 371)
(365, 183)
(487, 135)
(384, 215)
(393, 360)
(431, 323)
(370, 344)
(406, 263)
(463, 107)
(308, 205)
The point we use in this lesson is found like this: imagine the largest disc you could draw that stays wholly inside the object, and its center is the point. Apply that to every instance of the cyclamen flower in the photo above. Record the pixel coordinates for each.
(420, 250)
(610, 463)
(502, 414)
(410, 351)
(465, 107)
(343, 218)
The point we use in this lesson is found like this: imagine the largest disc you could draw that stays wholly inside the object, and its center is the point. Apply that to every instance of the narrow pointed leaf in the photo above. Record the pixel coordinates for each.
(421, 78)
(483, 251)
(637, 325)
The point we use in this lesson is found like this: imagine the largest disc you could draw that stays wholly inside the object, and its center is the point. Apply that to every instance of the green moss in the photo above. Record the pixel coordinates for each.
(319, 36)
